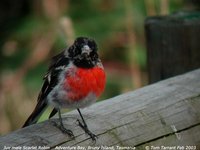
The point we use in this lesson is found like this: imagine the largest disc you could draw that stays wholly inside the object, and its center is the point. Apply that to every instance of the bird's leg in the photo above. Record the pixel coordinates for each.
(61, 126)
(85, 127)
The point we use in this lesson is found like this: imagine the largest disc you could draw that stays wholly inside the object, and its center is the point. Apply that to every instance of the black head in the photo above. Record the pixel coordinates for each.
(83, 52)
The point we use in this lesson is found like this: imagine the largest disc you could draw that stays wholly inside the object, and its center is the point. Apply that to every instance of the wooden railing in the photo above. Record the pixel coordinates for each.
(162, 115)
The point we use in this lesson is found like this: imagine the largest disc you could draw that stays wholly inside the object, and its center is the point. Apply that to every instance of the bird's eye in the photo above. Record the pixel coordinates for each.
(74, 51)
(93, 46)
(77, 51)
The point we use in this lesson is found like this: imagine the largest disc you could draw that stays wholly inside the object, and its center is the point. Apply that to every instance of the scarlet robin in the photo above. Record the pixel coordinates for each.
(75, 79)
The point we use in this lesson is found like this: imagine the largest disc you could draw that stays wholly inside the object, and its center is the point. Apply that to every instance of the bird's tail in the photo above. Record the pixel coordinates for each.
(39, 109)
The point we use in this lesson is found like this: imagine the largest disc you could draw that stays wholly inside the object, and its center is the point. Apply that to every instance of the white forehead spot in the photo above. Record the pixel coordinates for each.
(86, 47)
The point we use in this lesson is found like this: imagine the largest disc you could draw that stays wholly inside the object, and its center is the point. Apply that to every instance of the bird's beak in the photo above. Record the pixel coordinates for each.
(86, 50)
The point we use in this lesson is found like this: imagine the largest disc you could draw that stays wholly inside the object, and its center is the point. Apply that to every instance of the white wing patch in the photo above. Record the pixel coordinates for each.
(60, 67)
(49, 77)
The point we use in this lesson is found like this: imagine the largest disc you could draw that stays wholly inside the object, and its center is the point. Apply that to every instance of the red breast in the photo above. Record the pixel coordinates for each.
(85, 81)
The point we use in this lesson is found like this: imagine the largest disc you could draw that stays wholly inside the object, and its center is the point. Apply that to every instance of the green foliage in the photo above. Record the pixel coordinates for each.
(34, 78)
(140, 56)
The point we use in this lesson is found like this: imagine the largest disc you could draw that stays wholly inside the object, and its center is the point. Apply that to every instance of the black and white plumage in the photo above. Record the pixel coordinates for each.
(50, 81)
(82, 54)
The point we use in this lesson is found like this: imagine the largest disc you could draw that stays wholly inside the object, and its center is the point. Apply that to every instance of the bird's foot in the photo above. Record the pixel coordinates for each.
(63, 129)
(85, 128)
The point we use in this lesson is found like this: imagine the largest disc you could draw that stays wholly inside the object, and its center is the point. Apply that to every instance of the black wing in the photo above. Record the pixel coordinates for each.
(51, 78)
(50, 81)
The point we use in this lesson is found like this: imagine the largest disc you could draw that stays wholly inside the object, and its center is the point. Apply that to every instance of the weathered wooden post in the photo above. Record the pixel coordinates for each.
(173, 44)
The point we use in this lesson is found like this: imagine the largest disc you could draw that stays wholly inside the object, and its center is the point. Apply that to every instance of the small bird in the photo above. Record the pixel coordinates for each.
(75, 79)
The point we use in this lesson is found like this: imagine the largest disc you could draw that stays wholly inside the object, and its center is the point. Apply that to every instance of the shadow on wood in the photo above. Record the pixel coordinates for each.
(162, 114)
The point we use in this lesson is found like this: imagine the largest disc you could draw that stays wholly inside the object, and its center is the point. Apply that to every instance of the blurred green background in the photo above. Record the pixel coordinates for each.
(32, 31)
